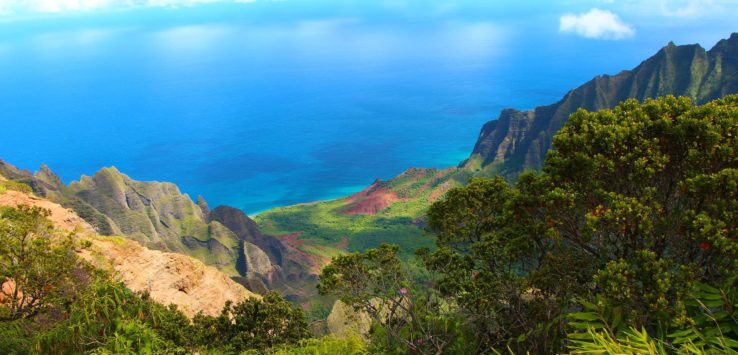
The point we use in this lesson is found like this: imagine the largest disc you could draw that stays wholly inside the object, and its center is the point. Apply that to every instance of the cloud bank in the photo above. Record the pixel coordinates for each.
(597, 24)
(8, 7)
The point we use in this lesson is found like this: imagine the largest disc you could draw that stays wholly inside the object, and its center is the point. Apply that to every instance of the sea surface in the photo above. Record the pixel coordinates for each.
(273, 103)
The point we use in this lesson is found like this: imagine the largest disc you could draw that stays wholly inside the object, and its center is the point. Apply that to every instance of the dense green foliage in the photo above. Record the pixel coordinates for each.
(633, 218)
(406, 316)
(35, 270)
(325, 345)
(253, 324)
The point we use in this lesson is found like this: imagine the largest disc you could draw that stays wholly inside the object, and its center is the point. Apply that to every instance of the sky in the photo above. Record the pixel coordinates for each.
(611, 20)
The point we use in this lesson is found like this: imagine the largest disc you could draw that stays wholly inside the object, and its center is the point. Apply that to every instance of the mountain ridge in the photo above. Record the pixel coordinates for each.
(518, 140)
(159, 216)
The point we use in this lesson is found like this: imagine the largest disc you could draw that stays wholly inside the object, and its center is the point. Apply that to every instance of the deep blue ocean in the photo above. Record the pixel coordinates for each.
(274, 103)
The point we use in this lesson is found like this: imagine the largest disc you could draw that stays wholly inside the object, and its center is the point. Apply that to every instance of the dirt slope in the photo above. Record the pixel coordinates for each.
(168, 277)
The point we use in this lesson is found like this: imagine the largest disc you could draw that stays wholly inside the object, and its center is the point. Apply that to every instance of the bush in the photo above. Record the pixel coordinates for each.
(325, 345)
(253, 324)
(15, 186)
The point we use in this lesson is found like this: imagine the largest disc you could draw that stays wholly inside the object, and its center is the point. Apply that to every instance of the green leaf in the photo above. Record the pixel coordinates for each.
(586, 316)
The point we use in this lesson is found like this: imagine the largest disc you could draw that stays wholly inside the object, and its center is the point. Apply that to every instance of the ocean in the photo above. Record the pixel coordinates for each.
(274, 103)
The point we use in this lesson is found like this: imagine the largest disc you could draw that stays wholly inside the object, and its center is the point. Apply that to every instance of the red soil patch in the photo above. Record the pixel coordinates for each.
(371, 200)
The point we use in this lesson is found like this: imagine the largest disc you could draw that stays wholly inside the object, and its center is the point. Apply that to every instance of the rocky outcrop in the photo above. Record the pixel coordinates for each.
(156, 214)
(159, 216)
(167, 277)
(267, 262)
(520, 139)
(344, 321)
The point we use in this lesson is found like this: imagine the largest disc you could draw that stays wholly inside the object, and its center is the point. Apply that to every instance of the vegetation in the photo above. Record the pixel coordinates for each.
(626, 241)
(325, 226)
(253, 324)
(6, 185)
(35, 270)
(326, 345)
(53, 302)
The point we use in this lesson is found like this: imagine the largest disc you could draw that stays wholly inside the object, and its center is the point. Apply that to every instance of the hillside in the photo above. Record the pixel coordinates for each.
(386, 211)
(519, 140)
(167, 277)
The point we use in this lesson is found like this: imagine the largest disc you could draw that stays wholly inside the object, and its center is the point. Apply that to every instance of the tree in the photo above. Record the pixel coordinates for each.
(633, 207)
(252, 324)
(35, 262)
(406, 316)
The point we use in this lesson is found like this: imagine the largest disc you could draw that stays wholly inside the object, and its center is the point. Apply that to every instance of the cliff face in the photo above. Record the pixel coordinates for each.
(167, 277)
(520, 139)
(267, 262)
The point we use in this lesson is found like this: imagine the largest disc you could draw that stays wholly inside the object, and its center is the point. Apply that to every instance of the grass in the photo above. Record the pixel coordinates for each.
(326, 345)
(6, 185)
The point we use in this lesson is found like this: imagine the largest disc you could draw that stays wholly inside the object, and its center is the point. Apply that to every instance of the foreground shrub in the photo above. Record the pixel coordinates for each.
(252, 324)
(325, 345)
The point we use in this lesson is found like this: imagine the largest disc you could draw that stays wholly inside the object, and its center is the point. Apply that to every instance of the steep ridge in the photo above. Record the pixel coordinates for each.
(520, 139)
(167, 277)
(269, 263)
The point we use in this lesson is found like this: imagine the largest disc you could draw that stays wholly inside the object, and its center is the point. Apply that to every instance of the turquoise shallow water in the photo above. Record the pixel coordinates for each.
(269, 104)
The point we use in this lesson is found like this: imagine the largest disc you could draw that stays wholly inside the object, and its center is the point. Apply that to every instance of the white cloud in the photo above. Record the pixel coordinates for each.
(596, 23)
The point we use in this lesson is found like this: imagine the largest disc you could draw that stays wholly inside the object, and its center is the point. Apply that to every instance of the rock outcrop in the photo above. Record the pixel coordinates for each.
(344, 321)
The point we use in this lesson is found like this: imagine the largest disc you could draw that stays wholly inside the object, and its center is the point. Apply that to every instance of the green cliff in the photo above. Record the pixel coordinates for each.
(519, 140)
